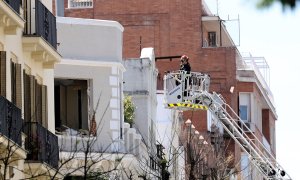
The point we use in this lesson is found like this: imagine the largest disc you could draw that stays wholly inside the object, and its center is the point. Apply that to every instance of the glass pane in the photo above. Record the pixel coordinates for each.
(244, 112)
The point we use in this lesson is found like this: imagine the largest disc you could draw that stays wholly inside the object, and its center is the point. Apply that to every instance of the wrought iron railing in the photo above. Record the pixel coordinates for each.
(41, 144)
(40, 22)
(10, 121)
(14, 4)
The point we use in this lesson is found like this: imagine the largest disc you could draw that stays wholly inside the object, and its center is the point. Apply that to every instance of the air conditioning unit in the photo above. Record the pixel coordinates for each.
(248, 125)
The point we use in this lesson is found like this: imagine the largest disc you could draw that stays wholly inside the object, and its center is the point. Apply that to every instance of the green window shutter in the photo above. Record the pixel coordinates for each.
(18, 86)
(3, 73)
(44, 106)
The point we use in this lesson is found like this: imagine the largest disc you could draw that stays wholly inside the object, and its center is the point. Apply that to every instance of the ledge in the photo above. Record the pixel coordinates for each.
(18, 152)
(41, 51)
(9, 19)
(40, 170)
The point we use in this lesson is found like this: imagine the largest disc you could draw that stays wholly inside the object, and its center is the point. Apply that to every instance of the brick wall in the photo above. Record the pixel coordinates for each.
(172, 28)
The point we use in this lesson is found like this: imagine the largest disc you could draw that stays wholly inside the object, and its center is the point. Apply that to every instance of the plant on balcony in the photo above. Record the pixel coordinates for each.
(129, 110)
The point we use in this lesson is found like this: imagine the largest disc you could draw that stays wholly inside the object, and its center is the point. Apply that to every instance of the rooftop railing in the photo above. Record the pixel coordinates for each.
(261, 69)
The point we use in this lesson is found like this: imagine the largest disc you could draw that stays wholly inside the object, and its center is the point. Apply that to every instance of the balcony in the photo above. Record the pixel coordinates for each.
(41, 144)
(215, 33)
(15, 5)
(10, 18)
(11, 132)
(10, 121)
(40, 36)
(256, 69)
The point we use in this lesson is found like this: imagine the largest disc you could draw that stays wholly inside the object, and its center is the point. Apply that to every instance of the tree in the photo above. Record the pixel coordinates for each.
(205, 154)
(86, 157)
(129, 110)
(285, 3)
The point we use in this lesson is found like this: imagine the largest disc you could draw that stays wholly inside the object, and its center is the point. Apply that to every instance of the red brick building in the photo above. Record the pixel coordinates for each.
(186, 27)
(172, 28)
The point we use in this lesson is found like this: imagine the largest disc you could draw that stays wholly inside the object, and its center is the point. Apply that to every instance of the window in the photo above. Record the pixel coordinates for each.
(152, 163)
(71, 104)
(16, 90)
(244, 112)
(212, 39)
(213, 124)
(35, 100)
(80, 3)
(245, 106)
(245, 167)
(3, 73)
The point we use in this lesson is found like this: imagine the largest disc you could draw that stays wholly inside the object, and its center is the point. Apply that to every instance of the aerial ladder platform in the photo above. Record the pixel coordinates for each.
(190, 91)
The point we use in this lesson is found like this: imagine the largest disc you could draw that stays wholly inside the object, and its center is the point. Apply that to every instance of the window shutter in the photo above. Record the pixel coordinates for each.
(32, 99)
(38, 102)
(27, 97)
(13, 81)
(44, 106)
(3, 73)
(18, 86)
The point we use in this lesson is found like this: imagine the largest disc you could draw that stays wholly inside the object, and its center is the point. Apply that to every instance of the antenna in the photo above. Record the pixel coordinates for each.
(217, 1)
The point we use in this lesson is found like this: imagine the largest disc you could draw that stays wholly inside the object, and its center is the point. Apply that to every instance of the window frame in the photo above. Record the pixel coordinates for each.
(83, 4)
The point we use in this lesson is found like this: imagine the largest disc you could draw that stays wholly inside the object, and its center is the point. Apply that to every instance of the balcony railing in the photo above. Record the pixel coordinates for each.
(41, 144)
(40, 22)
(10, 121)
(14, 4)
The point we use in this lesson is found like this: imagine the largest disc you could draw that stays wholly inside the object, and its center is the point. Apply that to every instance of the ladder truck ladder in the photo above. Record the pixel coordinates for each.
(190, 91)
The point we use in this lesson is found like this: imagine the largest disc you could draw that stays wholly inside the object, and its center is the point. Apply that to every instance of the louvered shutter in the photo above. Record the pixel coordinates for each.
(44, 106)
(38, 102)
(27, 97)
(32, 99)
(3, 73)
(18, 86)
(13, 81)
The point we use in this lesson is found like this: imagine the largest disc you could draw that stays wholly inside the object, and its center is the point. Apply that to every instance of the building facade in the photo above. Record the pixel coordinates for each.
(29, 147)
(188, 27)
(89, 113)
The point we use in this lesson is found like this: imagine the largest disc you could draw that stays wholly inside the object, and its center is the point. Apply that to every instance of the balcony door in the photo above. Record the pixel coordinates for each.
(71, 104)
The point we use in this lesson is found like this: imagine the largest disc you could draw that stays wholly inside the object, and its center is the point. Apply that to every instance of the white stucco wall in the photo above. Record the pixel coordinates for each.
(89, 39)
(140, 83)
(104, 84)
(168, 131)
(92, 50)
(48, 4)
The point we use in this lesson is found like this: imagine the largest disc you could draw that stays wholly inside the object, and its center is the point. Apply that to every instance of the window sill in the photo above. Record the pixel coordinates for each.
(87, 7)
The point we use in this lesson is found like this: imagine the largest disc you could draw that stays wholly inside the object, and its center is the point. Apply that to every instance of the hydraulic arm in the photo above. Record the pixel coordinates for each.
(187, 91)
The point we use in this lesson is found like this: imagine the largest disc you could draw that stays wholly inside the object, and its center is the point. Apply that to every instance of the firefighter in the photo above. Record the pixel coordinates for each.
(185, 67)
(184, 64)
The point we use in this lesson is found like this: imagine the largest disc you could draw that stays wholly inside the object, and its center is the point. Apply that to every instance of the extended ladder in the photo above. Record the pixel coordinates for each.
(186, 91)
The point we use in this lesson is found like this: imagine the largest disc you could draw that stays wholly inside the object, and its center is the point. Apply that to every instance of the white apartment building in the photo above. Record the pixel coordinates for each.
(88, 87)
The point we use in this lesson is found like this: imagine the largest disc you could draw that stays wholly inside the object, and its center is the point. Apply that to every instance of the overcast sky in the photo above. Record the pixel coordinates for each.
(275, 34)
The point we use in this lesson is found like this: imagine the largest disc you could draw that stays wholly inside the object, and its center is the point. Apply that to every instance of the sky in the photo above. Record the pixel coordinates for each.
(275, 34)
